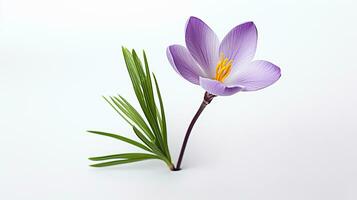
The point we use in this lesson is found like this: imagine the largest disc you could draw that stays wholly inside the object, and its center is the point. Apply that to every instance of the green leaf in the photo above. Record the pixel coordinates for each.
(141, 89)
(118, 111)
(148, 80)
(130, 65)
(132, 114)
(135, 73)
(124, 156)
(122, 138)
(118, 162)
(148, 125)
(138, 67)
(163, 118)
(155, 149)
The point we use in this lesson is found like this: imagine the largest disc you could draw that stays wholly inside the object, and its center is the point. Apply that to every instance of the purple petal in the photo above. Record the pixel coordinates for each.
(257, 75)
(184, 64)
(203, 44)
(218, 88)
(240, 44)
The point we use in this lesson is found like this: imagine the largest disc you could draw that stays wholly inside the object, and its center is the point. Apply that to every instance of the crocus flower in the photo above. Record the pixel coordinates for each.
(222, 68)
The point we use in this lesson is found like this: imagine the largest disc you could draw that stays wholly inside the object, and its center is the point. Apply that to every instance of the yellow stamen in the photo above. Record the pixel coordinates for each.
(223, 68)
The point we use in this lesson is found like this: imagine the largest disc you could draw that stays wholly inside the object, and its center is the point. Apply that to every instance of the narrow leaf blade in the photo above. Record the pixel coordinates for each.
(123, 156)
(122, 138)
(118, 162)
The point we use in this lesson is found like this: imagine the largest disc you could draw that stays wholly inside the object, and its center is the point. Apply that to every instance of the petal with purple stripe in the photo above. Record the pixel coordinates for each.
(217, 88)
(257, 75)
(203, 44)
(184, 64)
(240, 44)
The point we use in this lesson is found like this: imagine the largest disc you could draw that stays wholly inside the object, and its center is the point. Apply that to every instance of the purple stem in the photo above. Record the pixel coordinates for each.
(206, 100)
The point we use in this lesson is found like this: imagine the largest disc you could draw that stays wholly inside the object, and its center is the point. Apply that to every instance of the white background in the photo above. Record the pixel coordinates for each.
(294, 140)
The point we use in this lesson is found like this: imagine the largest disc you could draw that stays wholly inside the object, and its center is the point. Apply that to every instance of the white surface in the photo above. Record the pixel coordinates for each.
(295, 140)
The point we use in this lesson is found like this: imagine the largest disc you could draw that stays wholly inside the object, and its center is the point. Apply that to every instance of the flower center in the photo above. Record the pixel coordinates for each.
(223, 68)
